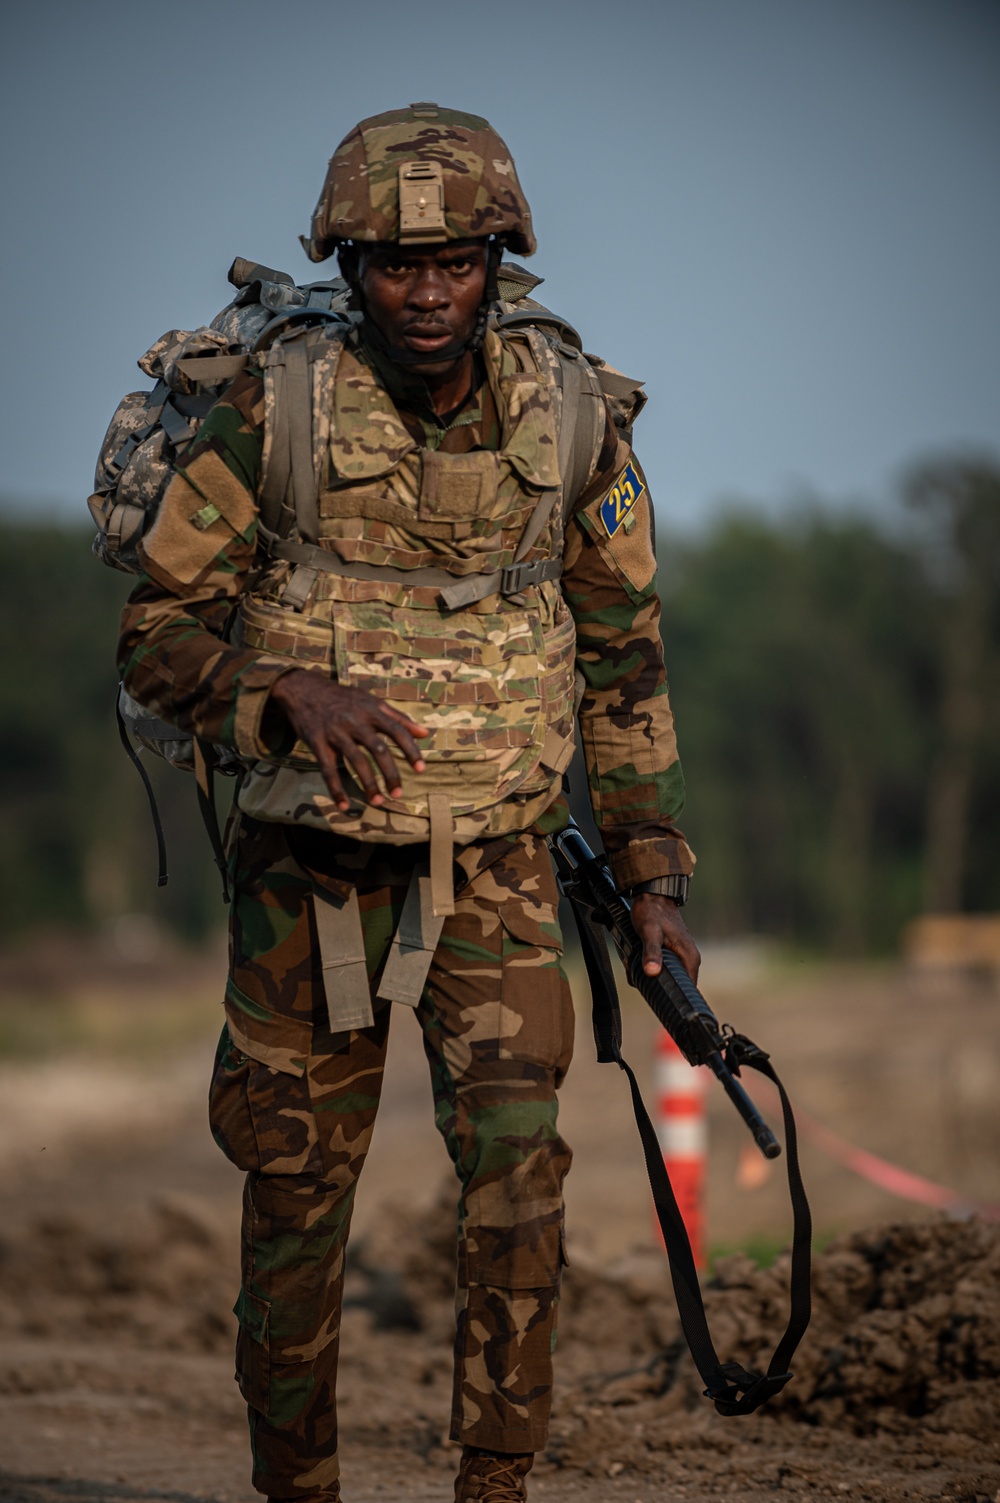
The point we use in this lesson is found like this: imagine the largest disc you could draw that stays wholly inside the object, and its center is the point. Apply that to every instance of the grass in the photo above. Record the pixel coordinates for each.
(762, 1249)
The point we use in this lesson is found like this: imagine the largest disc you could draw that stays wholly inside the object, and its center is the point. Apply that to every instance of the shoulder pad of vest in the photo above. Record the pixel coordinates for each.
(543, 319)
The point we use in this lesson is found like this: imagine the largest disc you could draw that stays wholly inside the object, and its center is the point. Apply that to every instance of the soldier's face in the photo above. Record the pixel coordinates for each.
(423, 300)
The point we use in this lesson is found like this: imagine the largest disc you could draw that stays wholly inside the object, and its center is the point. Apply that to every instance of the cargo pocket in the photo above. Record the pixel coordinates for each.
(260, 1113)
(536, 1008)
(279, 1389)
(524, 1249)
(253, 1357)
(229, 1105)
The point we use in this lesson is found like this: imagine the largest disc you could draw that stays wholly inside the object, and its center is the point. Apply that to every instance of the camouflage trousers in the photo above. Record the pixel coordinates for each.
(294, 1105)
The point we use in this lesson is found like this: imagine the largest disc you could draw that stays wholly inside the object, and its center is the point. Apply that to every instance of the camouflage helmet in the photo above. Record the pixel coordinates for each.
(451, 173)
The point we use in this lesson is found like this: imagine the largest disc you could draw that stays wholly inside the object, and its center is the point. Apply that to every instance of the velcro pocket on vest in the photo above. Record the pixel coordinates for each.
(457, 487)
(270, 627)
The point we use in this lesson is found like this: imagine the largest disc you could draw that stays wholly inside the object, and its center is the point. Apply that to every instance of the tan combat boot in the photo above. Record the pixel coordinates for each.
(328, 1495)
(492, 1477)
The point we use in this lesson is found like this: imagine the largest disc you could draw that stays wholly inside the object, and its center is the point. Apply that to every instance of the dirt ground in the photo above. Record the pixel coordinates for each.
(118, 1256)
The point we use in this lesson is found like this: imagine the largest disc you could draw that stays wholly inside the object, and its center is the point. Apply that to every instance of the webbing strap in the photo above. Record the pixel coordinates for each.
(342, 959)
(274, 483)
(442, 855)
(298, 388)
(581, 426)
(125, 525)
(331, 563)
(212, 370)
(615, 384)
(455, 592)
(414, 942)
(733, 1388)
(296, 593)
(276, 517)
(509, 581)
(175, 425)
(533, 318)
(539, 516)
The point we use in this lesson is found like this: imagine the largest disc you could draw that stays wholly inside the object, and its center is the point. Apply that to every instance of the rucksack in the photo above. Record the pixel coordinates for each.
(151, 429)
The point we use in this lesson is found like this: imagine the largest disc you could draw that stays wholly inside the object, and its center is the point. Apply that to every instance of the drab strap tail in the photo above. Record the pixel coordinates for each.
(442, 855)
(414, 943)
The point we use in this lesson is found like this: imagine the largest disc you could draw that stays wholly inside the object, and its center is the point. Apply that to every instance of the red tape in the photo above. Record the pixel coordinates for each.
(891, 1177)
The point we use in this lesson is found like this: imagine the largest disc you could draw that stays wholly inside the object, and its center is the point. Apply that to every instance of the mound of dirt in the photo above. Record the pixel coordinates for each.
(165, 1278)
(905, 1338)
(905, 1334)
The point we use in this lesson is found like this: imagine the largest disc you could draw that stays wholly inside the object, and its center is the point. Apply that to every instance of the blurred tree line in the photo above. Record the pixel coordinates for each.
(835, 680)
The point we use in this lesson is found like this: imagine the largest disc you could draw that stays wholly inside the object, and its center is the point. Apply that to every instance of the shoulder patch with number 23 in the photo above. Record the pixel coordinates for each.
(621, 499)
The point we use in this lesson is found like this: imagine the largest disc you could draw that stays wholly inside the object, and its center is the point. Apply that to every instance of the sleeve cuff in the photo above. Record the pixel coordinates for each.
(642, 860)
(262, 732)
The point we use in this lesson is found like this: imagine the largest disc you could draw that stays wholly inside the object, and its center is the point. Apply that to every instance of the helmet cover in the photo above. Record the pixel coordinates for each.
(451, 172)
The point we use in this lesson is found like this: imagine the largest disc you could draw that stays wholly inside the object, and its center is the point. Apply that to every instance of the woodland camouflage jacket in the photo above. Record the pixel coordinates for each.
(174, 658)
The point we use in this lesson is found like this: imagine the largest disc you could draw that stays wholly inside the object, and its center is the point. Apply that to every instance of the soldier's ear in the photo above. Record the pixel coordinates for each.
(349, 261)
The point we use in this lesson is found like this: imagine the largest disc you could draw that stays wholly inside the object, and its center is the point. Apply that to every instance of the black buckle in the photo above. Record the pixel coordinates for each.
(517, 577)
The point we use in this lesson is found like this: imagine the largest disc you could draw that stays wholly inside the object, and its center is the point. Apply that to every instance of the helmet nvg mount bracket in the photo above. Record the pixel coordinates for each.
(421, 203)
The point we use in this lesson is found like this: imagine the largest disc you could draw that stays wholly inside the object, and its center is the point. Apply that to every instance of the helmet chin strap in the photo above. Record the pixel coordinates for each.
(349, 257)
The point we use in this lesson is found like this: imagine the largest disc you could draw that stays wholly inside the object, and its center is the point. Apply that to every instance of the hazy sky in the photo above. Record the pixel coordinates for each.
(783, 214)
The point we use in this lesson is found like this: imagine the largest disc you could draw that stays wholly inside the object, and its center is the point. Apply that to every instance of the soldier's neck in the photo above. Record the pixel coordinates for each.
(430, 396)
(450, 389)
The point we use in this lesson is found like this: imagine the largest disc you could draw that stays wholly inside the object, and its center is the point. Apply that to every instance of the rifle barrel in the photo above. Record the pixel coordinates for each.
(762, 1134)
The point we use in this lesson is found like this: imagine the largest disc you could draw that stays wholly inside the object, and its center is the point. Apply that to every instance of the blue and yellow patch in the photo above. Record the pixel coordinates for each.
(621, 499)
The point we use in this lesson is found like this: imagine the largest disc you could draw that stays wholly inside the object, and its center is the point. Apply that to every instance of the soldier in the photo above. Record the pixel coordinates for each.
(412, 617)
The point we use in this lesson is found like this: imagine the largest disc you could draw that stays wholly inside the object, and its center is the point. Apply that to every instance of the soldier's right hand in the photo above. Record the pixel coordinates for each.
(340, 723)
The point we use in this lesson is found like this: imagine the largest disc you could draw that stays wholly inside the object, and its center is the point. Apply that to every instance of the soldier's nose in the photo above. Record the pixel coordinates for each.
(429, 290)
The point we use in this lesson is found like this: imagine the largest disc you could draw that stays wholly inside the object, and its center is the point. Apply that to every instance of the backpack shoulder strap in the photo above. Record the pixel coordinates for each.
(288, 497)
(582, 422)
(589, 390)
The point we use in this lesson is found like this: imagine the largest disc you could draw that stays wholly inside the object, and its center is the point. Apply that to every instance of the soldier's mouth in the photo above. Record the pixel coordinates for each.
(428, 340)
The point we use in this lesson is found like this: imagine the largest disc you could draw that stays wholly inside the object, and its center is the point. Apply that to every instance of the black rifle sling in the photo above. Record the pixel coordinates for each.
(732, 1388)
(133, 756)
(606, 1014)
(204, 773)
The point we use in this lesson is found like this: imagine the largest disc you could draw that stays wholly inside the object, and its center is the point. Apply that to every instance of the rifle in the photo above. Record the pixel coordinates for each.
(599, 908)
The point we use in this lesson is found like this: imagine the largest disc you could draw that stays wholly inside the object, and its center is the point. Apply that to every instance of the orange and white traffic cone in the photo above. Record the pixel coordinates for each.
(683, 1134)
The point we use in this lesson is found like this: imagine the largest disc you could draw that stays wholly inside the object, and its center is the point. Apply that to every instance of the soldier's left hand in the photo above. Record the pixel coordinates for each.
(659, 923)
